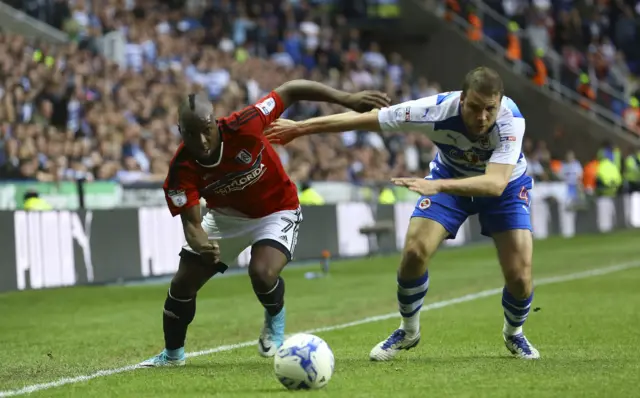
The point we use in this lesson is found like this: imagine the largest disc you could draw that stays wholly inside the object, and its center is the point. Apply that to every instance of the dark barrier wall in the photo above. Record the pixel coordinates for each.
(8, 250)
(313, 236)
(442, 53)
(108, 244)
(66, 248)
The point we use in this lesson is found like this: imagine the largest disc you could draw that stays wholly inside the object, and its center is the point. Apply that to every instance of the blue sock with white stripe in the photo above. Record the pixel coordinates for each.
(410, 299)
(516, 312)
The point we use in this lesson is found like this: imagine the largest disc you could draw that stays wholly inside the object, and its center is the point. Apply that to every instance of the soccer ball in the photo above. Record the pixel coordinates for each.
(304, 362)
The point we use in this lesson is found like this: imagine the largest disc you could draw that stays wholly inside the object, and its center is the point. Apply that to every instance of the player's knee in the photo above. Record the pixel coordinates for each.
(520, 286)
(519, 280)
(416, 254)
(184, 284)
(422, 241)
(267, 260)
(179, 288)
(263, 276)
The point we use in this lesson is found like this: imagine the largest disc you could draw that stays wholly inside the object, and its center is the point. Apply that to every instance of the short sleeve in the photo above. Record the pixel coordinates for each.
(408, 116)
(180, 189)
(269, 108)
(509, 146)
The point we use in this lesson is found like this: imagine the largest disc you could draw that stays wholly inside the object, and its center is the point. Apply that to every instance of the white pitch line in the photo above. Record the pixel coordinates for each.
(439, 304)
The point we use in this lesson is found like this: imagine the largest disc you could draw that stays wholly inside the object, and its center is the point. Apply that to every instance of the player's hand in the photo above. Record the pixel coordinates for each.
(419, 185)
(364, 101)
(282, 131)
(210, 253)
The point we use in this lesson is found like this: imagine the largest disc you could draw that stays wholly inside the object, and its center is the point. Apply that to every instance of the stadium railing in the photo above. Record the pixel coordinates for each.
(496, 25)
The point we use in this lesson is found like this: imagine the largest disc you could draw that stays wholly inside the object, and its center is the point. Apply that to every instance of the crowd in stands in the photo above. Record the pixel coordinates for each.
(67, 112)
(590, 46)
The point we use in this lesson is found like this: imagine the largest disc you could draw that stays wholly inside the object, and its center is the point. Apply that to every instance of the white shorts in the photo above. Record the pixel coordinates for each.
(235, 234)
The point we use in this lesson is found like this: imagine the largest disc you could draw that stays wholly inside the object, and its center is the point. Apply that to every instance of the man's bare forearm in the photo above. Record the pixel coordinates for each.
(307, 90)
(196, 237)
(341, 122)
(472, 186)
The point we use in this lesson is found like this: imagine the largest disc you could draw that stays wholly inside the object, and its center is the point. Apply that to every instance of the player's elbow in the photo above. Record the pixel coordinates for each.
(299, 90)
(289, 92)
(496, 186)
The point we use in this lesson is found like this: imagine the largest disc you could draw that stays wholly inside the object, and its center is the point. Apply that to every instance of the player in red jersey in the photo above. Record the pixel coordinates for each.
(251, 202)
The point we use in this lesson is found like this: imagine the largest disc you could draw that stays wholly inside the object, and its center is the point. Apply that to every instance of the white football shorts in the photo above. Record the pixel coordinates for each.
(235, 234)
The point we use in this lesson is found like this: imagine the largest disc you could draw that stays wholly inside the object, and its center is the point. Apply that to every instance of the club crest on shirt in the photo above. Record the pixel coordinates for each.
(244, 157)
(471, 157)
(484, 142)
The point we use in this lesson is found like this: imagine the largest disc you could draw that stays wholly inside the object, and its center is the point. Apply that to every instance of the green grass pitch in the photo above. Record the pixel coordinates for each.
(587, 330)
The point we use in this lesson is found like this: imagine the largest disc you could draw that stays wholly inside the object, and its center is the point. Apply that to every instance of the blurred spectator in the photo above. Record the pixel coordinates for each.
(631, 115)
(571, 172)
(632, 171)
(33, 202)
(608, 178)
(309, 196)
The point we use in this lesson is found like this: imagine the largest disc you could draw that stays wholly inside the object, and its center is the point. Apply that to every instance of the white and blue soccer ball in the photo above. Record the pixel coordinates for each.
(304, 362)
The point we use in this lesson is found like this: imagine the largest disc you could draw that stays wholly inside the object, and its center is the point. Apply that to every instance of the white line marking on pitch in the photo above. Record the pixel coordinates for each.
(229, 347)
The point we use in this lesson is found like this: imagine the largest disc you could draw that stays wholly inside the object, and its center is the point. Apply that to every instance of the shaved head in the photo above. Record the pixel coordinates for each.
(195, 113)
(197, 125)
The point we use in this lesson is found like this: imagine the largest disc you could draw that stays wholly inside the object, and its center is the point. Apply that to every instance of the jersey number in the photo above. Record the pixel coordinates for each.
(524, 195)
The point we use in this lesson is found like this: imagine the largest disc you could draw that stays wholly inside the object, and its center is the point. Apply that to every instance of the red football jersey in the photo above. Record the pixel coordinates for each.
(248, 178)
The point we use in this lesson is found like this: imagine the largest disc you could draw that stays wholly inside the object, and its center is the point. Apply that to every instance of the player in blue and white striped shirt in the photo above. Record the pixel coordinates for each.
(480, 169)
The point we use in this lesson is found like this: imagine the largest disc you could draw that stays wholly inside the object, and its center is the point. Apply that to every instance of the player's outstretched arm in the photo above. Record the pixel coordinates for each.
(492, 183)
(283, 131)
(403, 117)
(307, 90)
(197, 238)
